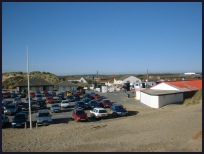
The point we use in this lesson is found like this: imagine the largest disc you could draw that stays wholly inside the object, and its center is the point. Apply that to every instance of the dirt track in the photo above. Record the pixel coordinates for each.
(171, 128)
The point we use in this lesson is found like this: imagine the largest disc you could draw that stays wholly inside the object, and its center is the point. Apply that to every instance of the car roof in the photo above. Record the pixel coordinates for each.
(116, 104)
(43, 111)
(99, 108)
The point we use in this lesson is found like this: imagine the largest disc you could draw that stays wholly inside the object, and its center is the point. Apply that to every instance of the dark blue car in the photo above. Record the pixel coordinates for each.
(80, 105)
(19, 120)
(70, 98)
(93, 104)
(118, 110)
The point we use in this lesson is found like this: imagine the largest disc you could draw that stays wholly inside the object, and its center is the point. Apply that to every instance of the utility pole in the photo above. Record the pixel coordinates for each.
(29, 91)
(97, 80)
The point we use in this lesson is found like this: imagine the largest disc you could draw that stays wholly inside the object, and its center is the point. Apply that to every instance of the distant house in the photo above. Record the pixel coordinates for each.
(79, 79)
(67, 86)
(35, 84)
(169, 92)
(107, 82)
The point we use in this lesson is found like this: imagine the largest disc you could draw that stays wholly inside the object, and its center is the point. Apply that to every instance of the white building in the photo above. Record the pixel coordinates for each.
(168, 92)
(81, 79)
(159, 98)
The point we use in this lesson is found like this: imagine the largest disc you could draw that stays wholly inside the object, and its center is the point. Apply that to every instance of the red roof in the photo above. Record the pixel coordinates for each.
(190, 85)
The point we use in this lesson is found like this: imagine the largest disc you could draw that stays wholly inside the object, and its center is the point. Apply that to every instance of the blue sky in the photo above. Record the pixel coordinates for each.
(113, 38)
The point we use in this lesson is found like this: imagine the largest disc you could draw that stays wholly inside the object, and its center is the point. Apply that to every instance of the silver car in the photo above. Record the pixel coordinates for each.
(44, 117)
(55, 108)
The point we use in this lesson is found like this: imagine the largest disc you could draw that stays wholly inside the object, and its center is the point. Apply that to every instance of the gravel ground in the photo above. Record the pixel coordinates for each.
(171, 128)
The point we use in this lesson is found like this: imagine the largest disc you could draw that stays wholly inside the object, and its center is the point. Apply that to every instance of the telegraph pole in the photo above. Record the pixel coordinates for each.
(29, 91)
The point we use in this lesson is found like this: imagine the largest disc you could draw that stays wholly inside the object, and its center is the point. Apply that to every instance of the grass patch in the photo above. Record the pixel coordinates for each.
(196, 99)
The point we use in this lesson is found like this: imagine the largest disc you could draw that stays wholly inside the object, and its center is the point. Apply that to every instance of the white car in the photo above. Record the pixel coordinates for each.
(65, 103)
(98, 112)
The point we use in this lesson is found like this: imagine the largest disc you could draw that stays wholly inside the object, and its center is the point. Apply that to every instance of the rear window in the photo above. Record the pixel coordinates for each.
(44, 114)
(102, 111)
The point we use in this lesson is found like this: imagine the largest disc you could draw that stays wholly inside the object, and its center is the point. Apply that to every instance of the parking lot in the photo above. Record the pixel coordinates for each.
(66, 113)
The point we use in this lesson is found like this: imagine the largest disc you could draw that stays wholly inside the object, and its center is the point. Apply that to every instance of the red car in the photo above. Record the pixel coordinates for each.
(6, 95)
(105, 103)
(96, 96)
(32, 94)
(79, 115)
(49, 99)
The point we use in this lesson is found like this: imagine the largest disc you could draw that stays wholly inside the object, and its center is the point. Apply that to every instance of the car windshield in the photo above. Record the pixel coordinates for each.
(10, 106)
(65, 102)
(38, 95)
(119, 107)
(106, 101)
(80, 112)
(20, 116)
(93, 102)
(80, 103)
(43, 114)
(56, 105)
(102, 111)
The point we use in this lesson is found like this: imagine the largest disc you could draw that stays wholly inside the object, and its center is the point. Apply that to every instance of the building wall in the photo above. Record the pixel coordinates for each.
(67, 88)
(132, 80)
(161, 100)
(169, 99)
(163, 86)
(82, 80)
(151, 101)
(116, 82)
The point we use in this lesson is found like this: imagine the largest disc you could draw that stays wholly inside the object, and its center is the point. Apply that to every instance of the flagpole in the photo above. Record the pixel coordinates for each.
(29, 91)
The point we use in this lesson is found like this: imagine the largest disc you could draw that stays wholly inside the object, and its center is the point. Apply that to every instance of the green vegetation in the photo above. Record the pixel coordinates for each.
(12, 82)
(196, 99)
(16, 77)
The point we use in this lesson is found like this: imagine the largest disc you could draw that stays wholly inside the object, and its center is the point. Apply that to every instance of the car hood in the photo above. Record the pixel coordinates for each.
(55, 108)
(121, 110)
(44, 118)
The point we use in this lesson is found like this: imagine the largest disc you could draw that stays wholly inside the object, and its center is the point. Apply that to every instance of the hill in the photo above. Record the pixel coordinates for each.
(10, 80)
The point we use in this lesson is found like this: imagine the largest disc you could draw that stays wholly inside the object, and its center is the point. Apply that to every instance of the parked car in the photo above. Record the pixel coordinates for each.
(41, 105)
(65, 104)
(93, 104)
(76, 97)
(70, 98)
(19, 120)
(87, 96)
(44, 117)
(6, 94)
(14, 95)
(31, 100)
(95, 96)
(49, 99)
(80, 105)
(32, 94)
(38, 97)
(17, 100)
(21, 94)
(11, 109)
(105, 103)
(61, 96)
(5, 121)
(25, 107)
(55, 108)
(118, 110)
(79, 115)
(99, 113)
(86, 101)
(53, 93)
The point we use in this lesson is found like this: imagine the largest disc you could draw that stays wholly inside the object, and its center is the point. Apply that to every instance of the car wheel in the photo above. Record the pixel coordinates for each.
(114, 114)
